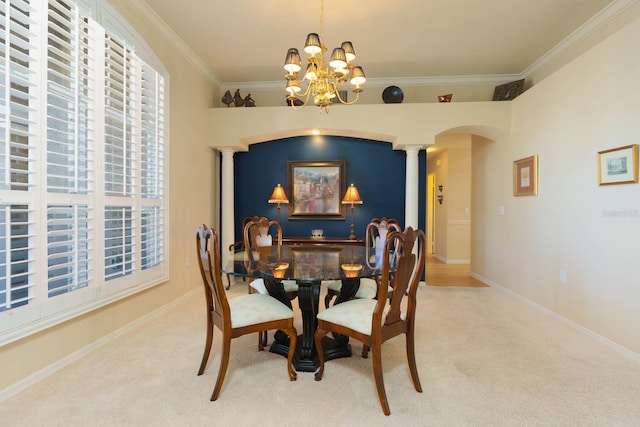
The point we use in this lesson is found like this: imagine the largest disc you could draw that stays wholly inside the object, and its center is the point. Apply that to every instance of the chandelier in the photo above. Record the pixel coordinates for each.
(324, 83)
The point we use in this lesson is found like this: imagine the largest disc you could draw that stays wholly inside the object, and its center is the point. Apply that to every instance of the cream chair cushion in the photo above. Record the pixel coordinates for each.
(368, 288)
(256, 308)
(355, 314)
(258, 285)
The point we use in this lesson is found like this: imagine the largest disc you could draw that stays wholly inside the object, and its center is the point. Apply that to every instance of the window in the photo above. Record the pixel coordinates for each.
(82, 164)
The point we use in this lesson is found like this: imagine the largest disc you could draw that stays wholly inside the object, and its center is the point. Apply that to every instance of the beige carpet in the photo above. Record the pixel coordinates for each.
(485, 359)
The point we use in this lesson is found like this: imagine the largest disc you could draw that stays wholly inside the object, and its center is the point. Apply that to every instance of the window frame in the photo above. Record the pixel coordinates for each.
(44, 311)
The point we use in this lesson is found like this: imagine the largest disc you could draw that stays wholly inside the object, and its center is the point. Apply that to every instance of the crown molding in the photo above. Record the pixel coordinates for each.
(598, 21)
(142, 8)
(591, 26)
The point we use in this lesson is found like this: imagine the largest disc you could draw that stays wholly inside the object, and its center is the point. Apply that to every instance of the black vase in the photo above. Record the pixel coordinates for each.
(392, 95)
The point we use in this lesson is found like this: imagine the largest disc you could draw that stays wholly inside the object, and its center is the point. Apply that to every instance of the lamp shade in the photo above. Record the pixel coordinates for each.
(313, 46)
(293, 86)
(278, 195)
(352, 196)
(292, 61)
(338, 59)
(312, 72)
(348, 51)
(357, 76)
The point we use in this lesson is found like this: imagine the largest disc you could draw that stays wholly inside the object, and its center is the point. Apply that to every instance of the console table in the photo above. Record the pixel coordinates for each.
(321, 241)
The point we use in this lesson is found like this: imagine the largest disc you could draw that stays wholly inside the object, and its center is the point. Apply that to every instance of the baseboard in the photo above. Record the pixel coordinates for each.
(451, 261)
(588, 332)
(14, 389)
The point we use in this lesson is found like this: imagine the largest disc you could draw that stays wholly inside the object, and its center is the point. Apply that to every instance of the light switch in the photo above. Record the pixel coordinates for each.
(501, 210)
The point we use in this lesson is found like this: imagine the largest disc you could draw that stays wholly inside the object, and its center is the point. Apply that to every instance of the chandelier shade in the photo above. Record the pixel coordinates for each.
(292, 63)
(313, 46)
(324, 84)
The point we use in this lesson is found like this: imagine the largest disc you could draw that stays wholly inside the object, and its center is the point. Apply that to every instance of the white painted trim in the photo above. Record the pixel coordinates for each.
(167, 33)
(588, 332)
(603, 17)
(452, 261)
(20, 386)
(591, 26)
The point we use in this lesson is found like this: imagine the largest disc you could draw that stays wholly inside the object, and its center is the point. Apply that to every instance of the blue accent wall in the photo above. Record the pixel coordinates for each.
(373, 166)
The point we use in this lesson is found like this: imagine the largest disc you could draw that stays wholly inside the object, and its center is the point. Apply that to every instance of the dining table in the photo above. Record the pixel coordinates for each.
(311, 266)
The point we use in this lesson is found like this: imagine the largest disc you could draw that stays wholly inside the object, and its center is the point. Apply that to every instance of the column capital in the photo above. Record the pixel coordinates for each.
(227, 150)
(411, 148)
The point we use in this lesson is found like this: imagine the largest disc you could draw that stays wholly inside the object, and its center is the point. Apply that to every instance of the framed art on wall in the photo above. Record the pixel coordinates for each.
(317, 188)
(525, 176)
(618, 165)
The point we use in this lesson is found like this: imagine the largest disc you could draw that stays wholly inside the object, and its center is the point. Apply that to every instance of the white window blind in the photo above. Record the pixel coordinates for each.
(82, 164)
(68, 248)
(70, 66)
(17, 146)
(119, 242)
(120, 107)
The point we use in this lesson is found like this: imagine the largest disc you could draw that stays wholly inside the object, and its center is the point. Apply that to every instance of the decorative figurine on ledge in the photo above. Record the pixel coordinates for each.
(237, 100)
(227, 99)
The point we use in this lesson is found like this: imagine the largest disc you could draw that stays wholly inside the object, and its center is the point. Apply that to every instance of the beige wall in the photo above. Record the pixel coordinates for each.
(191, 186)
(451, 166)
(590, 105)
(588, 231)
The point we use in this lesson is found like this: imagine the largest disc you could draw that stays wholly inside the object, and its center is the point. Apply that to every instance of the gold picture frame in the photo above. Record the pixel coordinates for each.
(316, 189)
(525, 176)
(618, 165)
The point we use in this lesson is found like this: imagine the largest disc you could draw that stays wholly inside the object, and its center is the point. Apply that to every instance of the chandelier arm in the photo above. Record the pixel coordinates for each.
(345, 102)
(306, 95)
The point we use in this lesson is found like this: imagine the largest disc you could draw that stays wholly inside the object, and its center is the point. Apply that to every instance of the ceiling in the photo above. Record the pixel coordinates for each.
(245, 41)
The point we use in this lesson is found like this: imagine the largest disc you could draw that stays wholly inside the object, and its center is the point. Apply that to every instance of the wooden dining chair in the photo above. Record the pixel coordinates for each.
(258, 241)
(376, 230)
(374, 321)
(238, 247)
(236, 316)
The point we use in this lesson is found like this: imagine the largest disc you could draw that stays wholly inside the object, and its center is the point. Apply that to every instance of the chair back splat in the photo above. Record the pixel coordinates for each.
(375, 235)
(374, 321)
(239, 245)
(258, 240)
(236, 316)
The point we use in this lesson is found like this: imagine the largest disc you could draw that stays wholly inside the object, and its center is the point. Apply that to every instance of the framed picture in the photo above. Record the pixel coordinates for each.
(317, 189)
(525, 176)
(618, 165)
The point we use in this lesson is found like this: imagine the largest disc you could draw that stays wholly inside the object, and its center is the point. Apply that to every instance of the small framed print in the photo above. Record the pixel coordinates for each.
(618, 165)
(525, 176)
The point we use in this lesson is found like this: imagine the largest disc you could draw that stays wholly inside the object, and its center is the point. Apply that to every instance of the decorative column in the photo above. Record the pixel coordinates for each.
(411, 186)
(227, 204)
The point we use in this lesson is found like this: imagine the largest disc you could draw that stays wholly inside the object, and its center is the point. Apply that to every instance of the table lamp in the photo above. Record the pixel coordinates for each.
(352, 197)
(278, 196)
